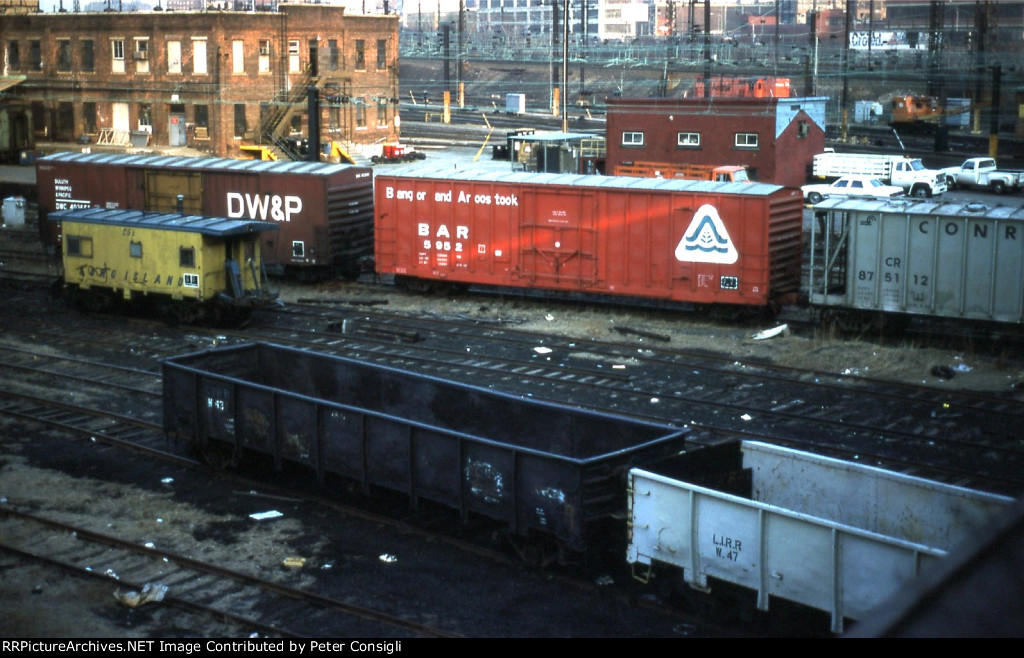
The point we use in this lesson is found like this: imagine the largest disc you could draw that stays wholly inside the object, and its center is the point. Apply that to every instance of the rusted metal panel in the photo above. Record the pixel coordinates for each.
(682, 241)
(536, 466)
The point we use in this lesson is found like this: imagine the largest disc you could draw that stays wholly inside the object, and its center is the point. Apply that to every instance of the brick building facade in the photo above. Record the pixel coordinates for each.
(775, 138)
(213, 80)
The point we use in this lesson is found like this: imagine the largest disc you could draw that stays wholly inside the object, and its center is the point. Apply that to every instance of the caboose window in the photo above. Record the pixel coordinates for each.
(135, 249)
(187, 257)
(78, 246)
(632, 139)
(190, 280)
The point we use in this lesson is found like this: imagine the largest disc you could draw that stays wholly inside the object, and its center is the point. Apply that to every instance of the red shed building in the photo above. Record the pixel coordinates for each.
(775, 138)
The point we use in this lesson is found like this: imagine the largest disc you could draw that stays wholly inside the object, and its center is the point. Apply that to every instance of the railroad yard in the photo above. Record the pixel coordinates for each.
(91, 486)
(85, 452)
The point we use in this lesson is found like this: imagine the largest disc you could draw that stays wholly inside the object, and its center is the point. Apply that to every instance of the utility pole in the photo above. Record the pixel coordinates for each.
(707, 48)
(936, 80)
(851, 8)
(565, 65)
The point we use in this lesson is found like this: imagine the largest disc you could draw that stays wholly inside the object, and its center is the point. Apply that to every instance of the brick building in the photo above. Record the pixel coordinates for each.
(212, 80)
(775, 138)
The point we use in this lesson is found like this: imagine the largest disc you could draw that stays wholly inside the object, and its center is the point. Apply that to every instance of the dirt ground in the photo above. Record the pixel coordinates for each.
(903, 358)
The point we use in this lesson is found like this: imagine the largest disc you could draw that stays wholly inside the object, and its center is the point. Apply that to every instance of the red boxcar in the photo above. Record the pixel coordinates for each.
(734, 244)
(325, 211)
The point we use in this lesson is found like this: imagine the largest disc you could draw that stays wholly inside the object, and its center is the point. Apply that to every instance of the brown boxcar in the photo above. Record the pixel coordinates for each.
(731, 244)
(324, 211)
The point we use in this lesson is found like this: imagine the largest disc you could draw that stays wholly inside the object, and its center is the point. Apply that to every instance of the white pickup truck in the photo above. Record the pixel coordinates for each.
(981, 173)
(893, 169)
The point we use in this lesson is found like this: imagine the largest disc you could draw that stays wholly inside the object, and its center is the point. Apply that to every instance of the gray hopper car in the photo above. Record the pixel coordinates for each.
(929, 258)
(539, 467)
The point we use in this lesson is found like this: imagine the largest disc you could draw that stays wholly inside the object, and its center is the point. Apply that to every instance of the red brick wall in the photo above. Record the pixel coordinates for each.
(220, 89)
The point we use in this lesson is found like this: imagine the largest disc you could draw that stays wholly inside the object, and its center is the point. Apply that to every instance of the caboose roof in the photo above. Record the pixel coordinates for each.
(212, 226)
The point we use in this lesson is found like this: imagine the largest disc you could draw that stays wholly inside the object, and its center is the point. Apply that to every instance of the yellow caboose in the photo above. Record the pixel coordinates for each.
(192, 268)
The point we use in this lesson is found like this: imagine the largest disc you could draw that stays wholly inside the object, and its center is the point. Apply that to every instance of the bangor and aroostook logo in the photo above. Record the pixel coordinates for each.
(705, 240)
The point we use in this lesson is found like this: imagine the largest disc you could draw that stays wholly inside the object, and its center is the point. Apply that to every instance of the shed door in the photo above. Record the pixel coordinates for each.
(558, 240)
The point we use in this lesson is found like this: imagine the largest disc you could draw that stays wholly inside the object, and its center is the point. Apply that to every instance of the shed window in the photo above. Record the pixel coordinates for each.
(746, 140)
(135, 249)
(187, 257)
(688, 139)
(76, 245)
(632, 139)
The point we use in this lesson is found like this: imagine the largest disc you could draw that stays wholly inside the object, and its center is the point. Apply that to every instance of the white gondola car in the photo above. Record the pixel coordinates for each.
(833, 535)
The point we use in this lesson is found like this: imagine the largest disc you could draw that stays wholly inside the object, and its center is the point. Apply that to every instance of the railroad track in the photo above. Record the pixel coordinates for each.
(267, 603)
(96, 426)
(960, 437)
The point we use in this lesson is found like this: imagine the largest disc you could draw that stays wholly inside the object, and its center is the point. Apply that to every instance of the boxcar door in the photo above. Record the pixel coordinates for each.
(558, 239)
(163, 188)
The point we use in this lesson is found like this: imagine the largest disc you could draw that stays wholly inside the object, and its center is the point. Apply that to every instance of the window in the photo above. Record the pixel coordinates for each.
(174, 57)
(64, 127)
(382, 55)
(190, 280)
(240, 123)
(63, 54)
(199, 56)
(87, 55)
(187, 257)
(293, 56)
(687, 139)
(13, 56)
(146, 117)
(360, 104)
(141, 55)
(77, 245)
(264, 62)
(746, 140)
(803, 129)
(332, 54)
(35, 55)
(237, 56)
(298, 249)
(89, 117)
(632, 139)
(135, 249)
(382, 112)
(117, 56)
(202, 116)
(360, 55)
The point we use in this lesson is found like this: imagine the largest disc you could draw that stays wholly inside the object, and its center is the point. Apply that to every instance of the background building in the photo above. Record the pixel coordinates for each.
(775, 138)
(212, 80)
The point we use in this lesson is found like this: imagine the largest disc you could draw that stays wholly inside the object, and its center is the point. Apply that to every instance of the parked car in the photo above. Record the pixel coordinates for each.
(846, 186)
